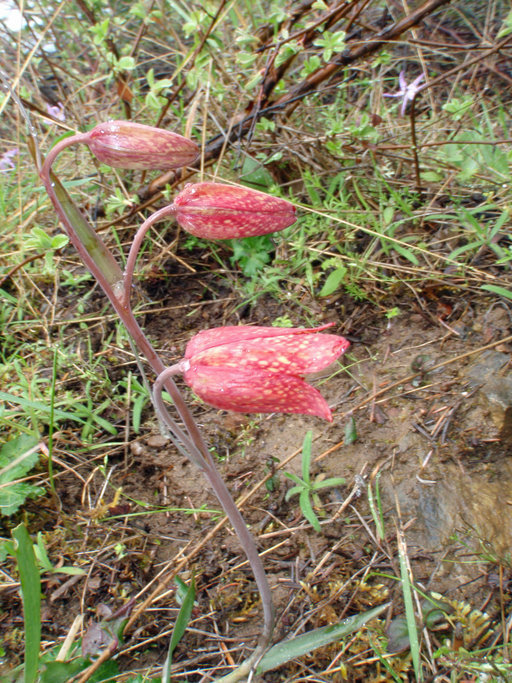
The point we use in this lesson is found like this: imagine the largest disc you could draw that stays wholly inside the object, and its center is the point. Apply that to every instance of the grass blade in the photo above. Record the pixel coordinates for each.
(179, 629)
(306, 455)
(297, 647)
(500, 291)
(31, 592)
(409, 607)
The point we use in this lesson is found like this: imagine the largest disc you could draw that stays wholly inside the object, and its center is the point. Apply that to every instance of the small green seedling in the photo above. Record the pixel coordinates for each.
(46, 244)
(307, 489)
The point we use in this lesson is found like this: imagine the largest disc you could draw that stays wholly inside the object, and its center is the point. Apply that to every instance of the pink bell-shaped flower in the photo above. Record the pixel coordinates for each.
(124, 144)
(261, 369)
(219, 211)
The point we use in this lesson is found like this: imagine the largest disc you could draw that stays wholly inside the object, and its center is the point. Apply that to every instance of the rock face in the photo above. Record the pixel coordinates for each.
(475, 499)
(495, 394)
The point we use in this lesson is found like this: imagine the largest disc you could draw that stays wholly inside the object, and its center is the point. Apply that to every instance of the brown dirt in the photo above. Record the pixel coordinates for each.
(428, 444)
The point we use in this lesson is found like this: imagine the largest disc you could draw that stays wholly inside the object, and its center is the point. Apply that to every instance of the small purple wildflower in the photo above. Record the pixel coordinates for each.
(57, 111)
(6, 160)
(407, 91)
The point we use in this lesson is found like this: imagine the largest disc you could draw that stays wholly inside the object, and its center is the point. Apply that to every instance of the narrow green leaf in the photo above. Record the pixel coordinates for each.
(180, 626)
(31, 595)
(38, 405)
(495, 289)
(350, 432)
(297, 647)
(307, 510)
(295, 478)
(306, 455)
(91, 241)
(409, 612)
(294, 491)
(327, 483)
(406, 253)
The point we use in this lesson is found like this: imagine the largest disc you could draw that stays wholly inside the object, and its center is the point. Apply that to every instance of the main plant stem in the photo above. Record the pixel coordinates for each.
(116, 285)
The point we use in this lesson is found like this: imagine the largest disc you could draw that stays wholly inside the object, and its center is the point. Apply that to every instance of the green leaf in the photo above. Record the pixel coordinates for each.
(297, 647)
(387, 215)
(406, 253)
(307, 510)
(398, 634)
(409, 612)
(61, 672)
(252, 253)
(306, 456)
(350, 432)
(179, 629)
(58, 414)
(328, 483)
(294, 491)
(295, 478)
(333, 281)
(431, 176)
(41, 555)
(17, 457)
(496, 289)
(59, 241)
(31, 595)
(126, 63)
(255, 175)
(12, 497)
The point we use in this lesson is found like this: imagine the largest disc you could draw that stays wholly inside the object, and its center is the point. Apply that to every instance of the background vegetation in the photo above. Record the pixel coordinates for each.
(404, 197)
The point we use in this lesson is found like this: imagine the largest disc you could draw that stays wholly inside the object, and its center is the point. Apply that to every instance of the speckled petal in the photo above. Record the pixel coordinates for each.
(218, 211)
(124, 144)
(216, 336)
(290, 351)
(246, 391)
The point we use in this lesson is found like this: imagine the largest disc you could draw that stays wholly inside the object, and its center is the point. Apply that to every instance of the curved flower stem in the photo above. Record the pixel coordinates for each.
(136, 245)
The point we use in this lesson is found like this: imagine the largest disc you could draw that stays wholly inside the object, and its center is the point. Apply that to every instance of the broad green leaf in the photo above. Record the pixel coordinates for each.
(297, 647)
(61, 672)
(17, 457)
(255, 175)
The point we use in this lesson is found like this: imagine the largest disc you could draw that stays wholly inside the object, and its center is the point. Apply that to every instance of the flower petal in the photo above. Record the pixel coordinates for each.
(246, 391)
(230, 334)
(219, 211)
(289, 354)
(125, 144)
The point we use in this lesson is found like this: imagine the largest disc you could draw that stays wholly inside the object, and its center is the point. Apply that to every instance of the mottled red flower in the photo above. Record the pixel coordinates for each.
(261, 369)
(218, 211)
(124, 144)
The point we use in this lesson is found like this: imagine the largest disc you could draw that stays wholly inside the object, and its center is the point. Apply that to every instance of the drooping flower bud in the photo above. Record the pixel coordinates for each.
(124, 144)
(261, 369)
(218, 211)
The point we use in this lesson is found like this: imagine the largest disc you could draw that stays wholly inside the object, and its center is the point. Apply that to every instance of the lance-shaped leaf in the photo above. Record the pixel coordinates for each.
(218, 211)
(124, 144)
(261, 369)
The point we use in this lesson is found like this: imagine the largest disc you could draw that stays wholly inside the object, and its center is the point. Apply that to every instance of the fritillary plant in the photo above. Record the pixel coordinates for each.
(239, 368)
